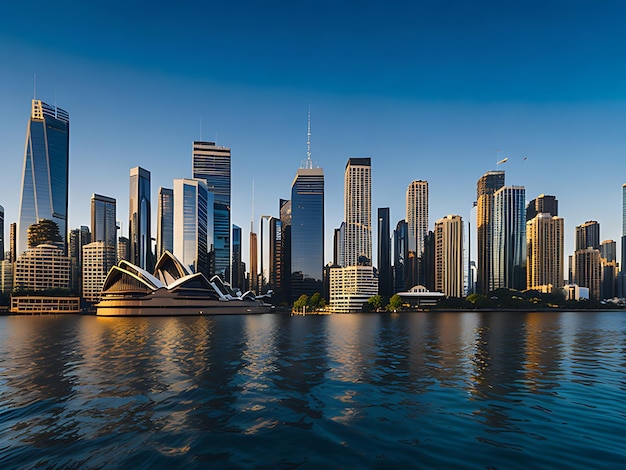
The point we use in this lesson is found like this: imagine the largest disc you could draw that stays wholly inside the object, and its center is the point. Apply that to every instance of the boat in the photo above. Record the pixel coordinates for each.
(173, 289)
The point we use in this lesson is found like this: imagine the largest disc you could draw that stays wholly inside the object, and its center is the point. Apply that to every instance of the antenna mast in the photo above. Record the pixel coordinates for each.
(309, 163)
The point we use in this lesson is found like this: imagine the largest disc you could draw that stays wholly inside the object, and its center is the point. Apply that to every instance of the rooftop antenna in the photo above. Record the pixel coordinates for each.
(309, 163)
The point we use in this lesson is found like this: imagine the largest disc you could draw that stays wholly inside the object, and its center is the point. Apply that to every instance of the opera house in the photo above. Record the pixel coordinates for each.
(172, 290)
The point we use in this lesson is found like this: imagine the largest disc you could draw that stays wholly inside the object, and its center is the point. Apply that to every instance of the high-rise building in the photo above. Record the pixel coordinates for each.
(238, 271)
(6, 277)
(192, 203)
(139, 232)
(165, 222)
(123, 249)
(417, 220)
(98, 259)
(13, 242)
(285, 272)
(400, 254)
(358, 212)
(509, 238)
(211, 163)
(544, 252)
(588, 235)
(608, 250)
(253, 276)
(307, 231)
(41, 268)
(487, 185)
(449, 269)
(1, 233)
(79, 237)
(588, 270)
(45, 174)
(103, 219)
(609, 269)
(542, 205)
(385, 274)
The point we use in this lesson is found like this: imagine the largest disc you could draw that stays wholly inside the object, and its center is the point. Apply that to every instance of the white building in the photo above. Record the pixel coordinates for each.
(449, 273)
(351, 287)
(98, 259)
(358, 212)
(42, 268)
(417, 215)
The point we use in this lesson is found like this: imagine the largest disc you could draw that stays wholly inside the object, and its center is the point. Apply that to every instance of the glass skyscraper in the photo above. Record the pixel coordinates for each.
(211, 163)
(165, 222)
(139, 219)
(385, 275)
(509, 238)
(45, 173)
(307, 231)
(103, 220)
(487, 185)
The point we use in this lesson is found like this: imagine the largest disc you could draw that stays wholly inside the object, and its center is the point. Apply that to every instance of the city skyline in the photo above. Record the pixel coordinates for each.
(451, 88)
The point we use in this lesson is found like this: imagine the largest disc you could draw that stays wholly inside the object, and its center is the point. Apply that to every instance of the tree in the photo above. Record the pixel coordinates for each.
(316, 301)
(375, 302)
(395, 303)
(44, 231)
(301, 303)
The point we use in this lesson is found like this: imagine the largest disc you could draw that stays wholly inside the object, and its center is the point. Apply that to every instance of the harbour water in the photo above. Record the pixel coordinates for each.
(422, 390)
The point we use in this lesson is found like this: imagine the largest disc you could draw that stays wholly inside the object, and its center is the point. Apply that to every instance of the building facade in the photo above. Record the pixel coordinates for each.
(449, 268)
(385, 273)
(139, 226)
(44, 267)
(79, 237)
(358, 212)
(44, 192)
(509, 238)
(544, 252)
(1, 233)
(417, 221)
(351, 287)
(98, 259)
(542, 205)
(103, 219)
(165, 222)
(487, 185)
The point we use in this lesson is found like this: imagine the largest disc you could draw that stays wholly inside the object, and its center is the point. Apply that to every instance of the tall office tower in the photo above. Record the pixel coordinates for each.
(192, 211)
(358, 212)
(588, 270)
(42, 268)
(542, 205)
(6, 277)
(427, 264)
(211, 163)
(544, 252)
(609, 269)
(623, 257)
(307, 231)
(123, 249)
(79, 237)
(238, 273)
(400, 256)
(45, 173)
(285, 222)
(253, 277)
(103, 219)
(417, 220)
(336, 246)
(139, 233)
(608, 250)
(276, 254)
(13, 242)
(588, 235)
(385, 275)
(509, 238)
(449, 272)
(165, 222)
(487, 185)
(98, 258)
(1, 233)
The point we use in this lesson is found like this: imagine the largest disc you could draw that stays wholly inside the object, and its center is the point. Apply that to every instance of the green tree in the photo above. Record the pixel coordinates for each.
(44, 231)
(395, 303)
(301, 303)
(375, 302)
(316, 301)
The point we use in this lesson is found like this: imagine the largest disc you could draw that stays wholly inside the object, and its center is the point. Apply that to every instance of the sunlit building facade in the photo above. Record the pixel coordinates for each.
(358, 212)
(544, 252)
(351, 287)
(449, 273)
(41, 268)
(98, 259)
(44, 192)
(487, 185)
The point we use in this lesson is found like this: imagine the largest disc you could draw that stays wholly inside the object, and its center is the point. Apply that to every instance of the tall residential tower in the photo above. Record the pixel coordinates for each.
(358, 212)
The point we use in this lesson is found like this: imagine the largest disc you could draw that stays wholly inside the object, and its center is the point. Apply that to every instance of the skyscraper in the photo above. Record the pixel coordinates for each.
(103, 219)
(400, 253)
(417, 220)
(449, 272)
(542, 205)
(191, 223)
(358, 212)
(165, 222)
(587, 263)
(211, 163)
(509, 238)
(544, 252)
(238, 271)
(79, 237)
(588, 235)
(13, 242)
(139, 219)
(385, 275)
(1, 233)
(487, 185)
(285, 272)
(45, 174)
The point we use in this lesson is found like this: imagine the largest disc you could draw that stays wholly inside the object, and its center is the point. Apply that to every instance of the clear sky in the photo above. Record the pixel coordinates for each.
(428, 90)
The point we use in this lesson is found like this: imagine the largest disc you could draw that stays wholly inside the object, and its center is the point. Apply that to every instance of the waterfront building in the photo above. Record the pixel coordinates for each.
(212, 163)
(139, 227)
(103, 219)
(509, 238)
(385, 274)
(544, 252)
(487, 185)
(165, 222)
(449, 269)
(588, 235)
(44, 192)
(78, 238)
(351, 287)
(6, 277)
(542, 205)
(400, 256)
(588, 271)
(358, 212)
(417, 220)
(1, 233)
(41, 268)
(98, 259)
(192, 211)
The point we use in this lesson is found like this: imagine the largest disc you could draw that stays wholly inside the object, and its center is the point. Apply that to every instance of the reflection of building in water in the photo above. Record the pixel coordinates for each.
(543, 350)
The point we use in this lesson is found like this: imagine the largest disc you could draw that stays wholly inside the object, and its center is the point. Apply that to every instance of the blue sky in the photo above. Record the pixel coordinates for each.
(428, 90)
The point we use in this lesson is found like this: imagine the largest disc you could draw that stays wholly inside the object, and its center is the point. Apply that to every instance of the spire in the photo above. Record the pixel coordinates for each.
(309, 163)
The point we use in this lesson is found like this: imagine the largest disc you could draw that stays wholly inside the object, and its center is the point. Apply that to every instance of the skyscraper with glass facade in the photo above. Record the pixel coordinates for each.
(358, 212)
(103, 220)
(509, 238)
(487, 185)
(192, 201)
(139, 219)
(44, 192)
(211, 163)
(165, 222)
(385, 275)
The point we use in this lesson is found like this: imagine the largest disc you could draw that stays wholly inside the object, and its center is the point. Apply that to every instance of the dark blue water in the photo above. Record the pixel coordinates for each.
(425, 390)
